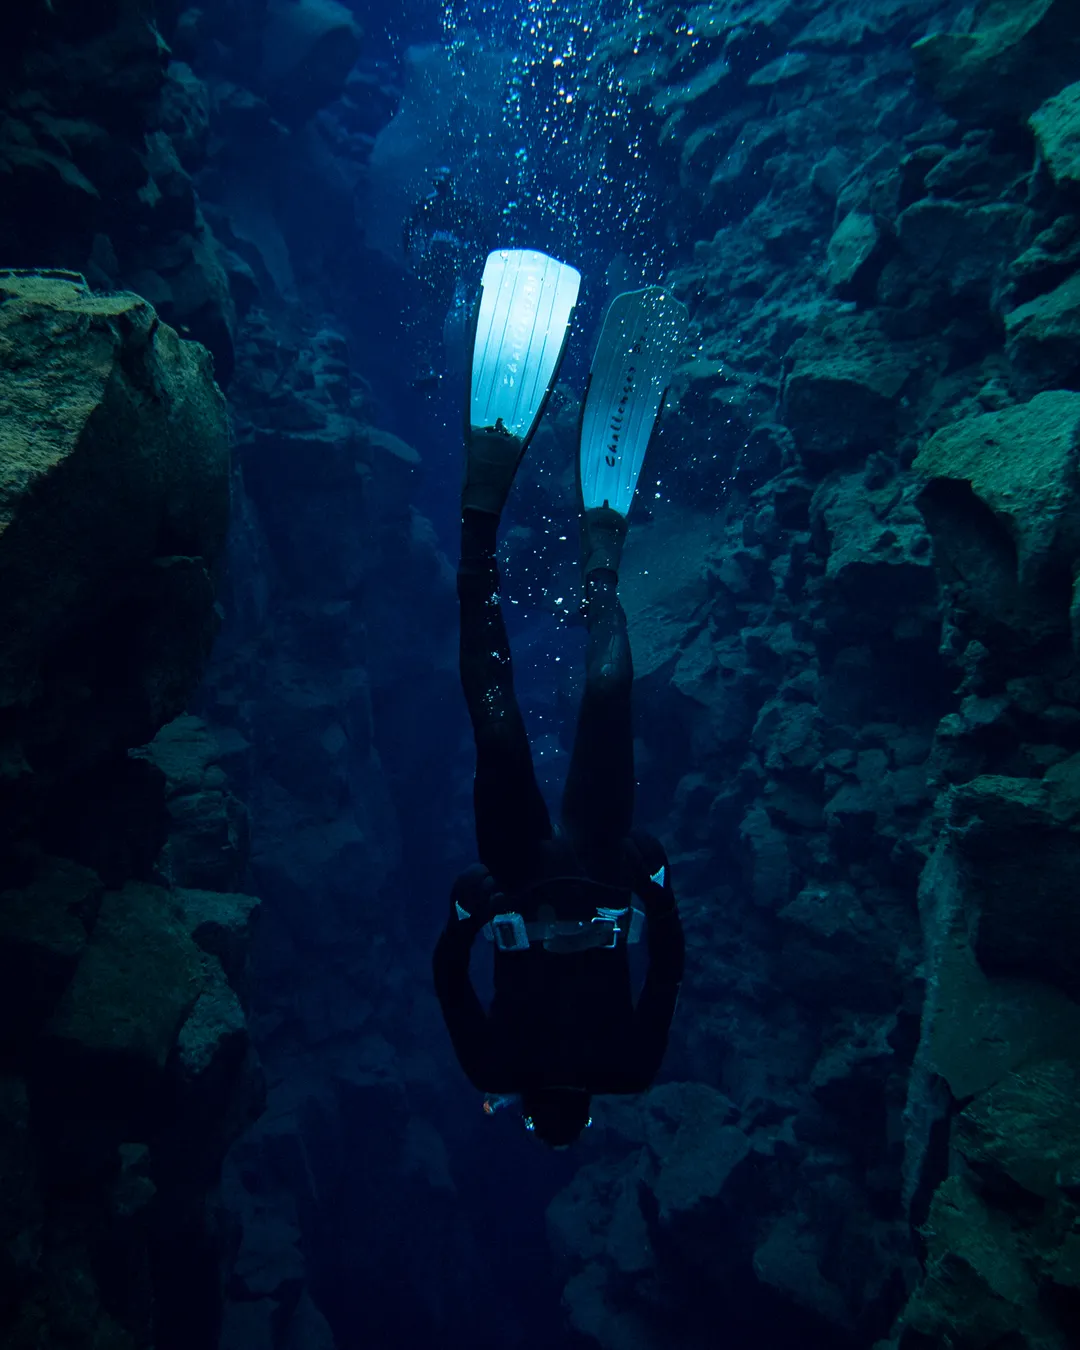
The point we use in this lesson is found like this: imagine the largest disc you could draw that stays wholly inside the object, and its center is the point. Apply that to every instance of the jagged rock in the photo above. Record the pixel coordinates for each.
(598, 1217)
(216, 1082)
(214, 1031)
(832, 940)
(1003, 505)
(221, 925)
(308, 1329)
(977, 1028)
(1051, 258)
(115, 440)
(956, 248)
(1025, 1130)
(977, 1291)
(701, 1159)
(702, 95)
(185, 113)
(1016, 56)
(1043, 337)
(43, 933)
(120, 1017)
(789, 1261)
(662, 603)
(208, 836)
(976, 172)
(309, 47)
(876, 544)
(841, 394)
(1020, 899)
(1057, 132)
(855, 244)
(772, 870)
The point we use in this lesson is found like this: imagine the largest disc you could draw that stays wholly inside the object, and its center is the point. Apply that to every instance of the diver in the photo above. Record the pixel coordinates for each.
(560, 905)
(441, 233)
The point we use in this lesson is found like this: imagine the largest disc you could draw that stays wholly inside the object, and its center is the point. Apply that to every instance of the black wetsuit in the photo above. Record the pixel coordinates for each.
(557, 1020)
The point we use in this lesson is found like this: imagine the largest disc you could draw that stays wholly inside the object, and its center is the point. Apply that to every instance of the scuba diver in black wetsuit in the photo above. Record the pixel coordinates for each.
(442, 231)
(562, 904)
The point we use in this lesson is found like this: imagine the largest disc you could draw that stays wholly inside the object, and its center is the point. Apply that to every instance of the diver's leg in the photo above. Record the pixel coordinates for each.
(511, 815)
(598, 802)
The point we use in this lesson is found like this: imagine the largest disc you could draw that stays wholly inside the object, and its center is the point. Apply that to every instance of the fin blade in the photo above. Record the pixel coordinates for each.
(526, 302)
(631, 368)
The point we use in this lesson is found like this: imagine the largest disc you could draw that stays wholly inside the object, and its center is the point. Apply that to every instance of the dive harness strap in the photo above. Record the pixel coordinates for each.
(511, 933)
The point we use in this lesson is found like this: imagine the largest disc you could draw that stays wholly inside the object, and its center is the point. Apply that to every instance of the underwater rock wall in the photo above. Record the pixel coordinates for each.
(884, 991)
(856, 684)
(125, 1061)
(126, 1070)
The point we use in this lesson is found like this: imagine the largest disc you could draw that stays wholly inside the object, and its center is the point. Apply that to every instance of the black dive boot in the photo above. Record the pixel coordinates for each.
(492, 456)
(603, 533)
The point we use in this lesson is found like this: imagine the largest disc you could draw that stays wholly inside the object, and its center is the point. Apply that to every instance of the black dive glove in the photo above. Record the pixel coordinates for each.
(473, 901)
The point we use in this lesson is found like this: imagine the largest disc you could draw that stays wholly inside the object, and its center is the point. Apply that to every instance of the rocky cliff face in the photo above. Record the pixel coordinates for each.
(883, 974)
(853, 617)
(126, 1070)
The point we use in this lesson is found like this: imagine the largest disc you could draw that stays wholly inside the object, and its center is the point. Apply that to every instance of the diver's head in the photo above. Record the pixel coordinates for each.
(442, 178)
(556, 1115)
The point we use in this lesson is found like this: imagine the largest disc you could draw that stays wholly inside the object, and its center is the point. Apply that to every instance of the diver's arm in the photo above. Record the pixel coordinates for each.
(659, 995)
(667, 959)
(466, 1020)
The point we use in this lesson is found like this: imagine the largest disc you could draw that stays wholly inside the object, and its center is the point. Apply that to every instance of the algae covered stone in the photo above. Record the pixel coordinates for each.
(1057, 132)
(134, 987)
(1043, 336)
(1023, 465)
(843, 389)
(1018, 53)
(114, 499)
(854, 243)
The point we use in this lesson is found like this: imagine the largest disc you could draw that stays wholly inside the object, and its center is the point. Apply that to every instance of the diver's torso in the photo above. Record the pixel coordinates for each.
(567, 1019)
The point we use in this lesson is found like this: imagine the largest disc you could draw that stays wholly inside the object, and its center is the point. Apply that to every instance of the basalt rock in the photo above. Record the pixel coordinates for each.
(1003, 504)
(114, 442)
(309, 47)
(121, 1005)
(1015, 56)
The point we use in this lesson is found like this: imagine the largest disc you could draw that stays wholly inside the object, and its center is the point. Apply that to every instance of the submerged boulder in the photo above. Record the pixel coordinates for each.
(853, 248)
(309, 47)
(114, 499)
(1018, 54)
(1002, 502)
(1057, 132)
(1043, 336)
(843, 389)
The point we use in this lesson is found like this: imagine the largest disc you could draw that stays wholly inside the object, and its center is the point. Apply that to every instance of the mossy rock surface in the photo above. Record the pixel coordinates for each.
(1019, 53)
(1024, 465)
(114, 503)
(1057, 132)
(139, 978)
(114, 452)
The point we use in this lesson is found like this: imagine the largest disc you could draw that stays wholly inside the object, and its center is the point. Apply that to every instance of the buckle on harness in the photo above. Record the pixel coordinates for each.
(612, 916)
(510, 933)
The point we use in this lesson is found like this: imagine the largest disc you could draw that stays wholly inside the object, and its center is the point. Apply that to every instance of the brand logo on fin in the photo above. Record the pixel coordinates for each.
(657, 878)
(462, 912)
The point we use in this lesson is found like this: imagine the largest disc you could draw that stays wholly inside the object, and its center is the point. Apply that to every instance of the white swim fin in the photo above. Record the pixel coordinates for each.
(631, 368)
(522, 324)
(521, 328)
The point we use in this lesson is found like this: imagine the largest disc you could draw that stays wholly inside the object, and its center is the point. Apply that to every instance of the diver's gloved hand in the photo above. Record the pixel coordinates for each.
(473, 902)
(652, 875)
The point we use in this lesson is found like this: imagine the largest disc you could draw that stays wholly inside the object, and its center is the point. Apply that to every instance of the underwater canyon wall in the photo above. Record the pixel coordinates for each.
(852, 618)
(883, 989)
